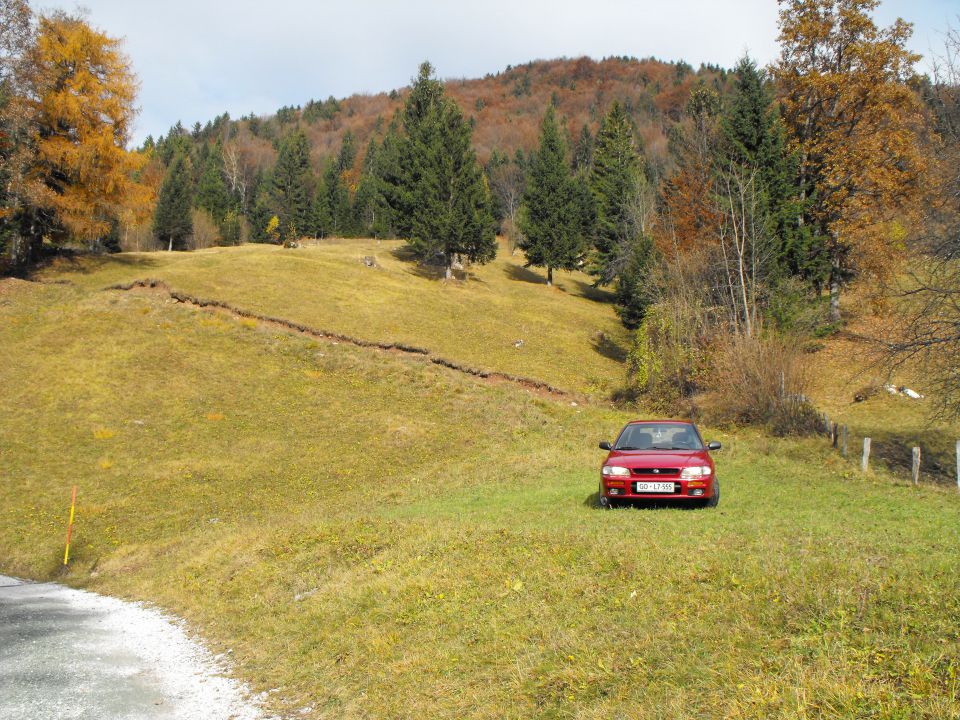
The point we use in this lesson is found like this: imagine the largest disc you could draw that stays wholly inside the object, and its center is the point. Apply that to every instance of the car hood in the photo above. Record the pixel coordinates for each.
(658, 458)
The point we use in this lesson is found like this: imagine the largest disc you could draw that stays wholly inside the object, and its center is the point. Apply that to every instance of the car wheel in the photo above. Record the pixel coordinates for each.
(714, 500)
(603, 502)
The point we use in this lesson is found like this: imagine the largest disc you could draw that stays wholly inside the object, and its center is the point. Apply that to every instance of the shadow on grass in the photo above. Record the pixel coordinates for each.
(593, 501)
(523, 274)
(86, 263)
(609, 348)
(429, 271)
(591, 292)
(938, 453)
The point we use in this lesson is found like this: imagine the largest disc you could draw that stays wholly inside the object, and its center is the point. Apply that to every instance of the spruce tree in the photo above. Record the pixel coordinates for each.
(550, 217)
(754, 137)
(321, 220)
(442, 184)
(172, 223)
(583, 151)
(616, 180)
(212, 194)
(371, 213)
(291, 183)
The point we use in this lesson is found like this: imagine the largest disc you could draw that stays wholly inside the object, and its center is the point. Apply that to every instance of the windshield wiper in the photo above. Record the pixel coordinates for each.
(628, 447)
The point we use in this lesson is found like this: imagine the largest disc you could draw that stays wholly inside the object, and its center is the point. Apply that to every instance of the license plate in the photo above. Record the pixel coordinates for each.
(654, 487)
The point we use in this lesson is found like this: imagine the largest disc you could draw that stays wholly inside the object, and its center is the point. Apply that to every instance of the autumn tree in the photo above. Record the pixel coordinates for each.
(82, 94)
(853, 120)
(553, 232)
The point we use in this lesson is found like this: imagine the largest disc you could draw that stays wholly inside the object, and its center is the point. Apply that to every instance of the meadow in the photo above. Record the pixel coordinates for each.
(370, 535)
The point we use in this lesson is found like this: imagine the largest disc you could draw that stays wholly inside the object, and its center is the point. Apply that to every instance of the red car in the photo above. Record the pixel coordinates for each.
(659, 460)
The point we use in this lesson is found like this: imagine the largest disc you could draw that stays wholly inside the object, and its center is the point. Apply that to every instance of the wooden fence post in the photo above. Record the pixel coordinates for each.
(958, 464)
(834, 435)
(865, 462)
(843, 440)
(826, 423)
(916, 466)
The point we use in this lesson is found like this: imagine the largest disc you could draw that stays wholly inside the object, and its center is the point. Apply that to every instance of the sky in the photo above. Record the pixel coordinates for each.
(196, 59)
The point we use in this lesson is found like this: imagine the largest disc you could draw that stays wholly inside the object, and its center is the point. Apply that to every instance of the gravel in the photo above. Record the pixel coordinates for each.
(70, 654)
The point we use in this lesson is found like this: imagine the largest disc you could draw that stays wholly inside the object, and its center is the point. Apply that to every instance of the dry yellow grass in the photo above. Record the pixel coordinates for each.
(570, 335)
(377, 537)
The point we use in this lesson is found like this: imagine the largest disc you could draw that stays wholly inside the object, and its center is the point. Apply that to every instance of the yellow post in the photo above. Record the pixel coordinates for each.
(73, 505)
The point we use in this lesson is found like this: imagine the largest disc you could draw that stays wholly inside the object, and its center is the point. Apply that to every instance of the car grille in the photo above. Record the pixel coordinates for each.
(656, 472)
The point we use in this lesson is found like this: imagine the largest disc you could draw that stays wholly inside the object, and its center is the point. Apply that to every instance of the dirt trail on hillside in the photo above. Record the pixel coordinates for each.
(531, 384)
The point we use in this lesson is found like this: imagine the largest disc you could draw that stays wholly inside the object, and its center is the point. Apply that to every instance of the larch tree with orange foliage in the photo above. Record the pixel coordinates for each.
(82, 94)
(854, 123)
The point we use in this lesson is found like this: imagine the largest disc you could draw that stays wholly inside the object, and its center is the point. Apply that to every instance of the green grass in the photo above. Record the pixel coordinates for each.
(376, 537)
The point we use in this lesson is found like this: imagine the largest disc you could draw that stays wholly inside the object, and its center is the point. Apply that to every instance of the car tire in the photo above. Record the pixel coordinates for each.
(714, 499)
(603, 502)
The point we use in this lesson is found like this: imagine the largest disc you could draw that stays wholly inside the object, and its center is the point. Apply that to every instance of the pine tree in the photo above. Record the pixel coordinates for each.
(633, 283)
(583, 151)
(442, 185)
(754, 137)
(291, 183)
(616, 180)
(550, 217)
(321, 220)
(212, 194)
(371, 213)
(172, 223)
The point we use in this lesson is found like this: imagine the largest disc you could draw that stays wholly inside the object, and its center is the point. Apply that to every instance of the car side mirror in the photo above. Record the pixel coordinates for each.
(713, 446)
(605, 445)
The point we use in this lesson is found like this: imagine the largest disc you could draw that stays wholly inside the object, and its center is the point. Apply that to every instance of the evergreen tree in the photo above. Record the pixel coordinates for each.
(550, 218)
(392, 180)
(633, 283)
(291, 183)
(172, 223)
(442, 185)
(616, 180)
(320, 216)
(212, 194)
(583, 151)
(371, 213)
(754, 137)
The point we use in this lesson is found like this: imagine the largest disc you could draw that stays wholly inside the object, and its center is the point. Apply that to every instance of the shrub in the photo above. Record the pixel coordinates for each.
(205, 231)
(760, 381)
(668, 359)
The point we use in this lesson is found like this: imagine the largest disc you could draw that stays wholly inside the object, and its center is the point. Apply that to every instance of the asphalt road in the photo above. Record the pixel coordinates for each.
(67, 654)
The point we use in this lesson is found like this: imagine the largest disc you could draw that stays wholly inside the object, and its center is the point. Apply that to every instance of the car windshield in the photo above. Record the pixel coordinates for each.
(659, 436)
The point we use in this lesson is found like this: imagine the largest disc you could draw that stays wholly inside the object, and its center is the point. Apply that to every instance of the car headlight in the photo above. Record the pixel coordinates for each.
(615, 471)
(697, 471)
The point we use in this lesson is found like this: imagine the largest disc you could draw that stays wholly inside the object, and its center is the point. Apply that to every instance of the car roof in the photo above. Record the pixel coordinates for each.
(656, 422)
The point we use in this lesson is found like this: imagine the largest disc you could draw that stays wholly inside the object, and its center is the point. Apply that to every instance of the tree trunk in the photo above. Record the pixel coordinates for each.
(834, 296)
(449, 270)
(549, 276)
(170, 244)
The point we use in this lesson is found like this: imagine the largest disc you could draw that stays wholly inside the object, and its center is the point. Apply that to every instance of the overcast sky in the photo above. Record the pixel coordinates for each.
(198, 58)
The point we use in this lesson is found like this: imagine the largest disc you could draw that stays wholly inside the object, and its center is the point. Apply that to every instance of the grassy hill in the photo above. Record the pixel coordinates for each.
(373, 535)
(571, 336)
